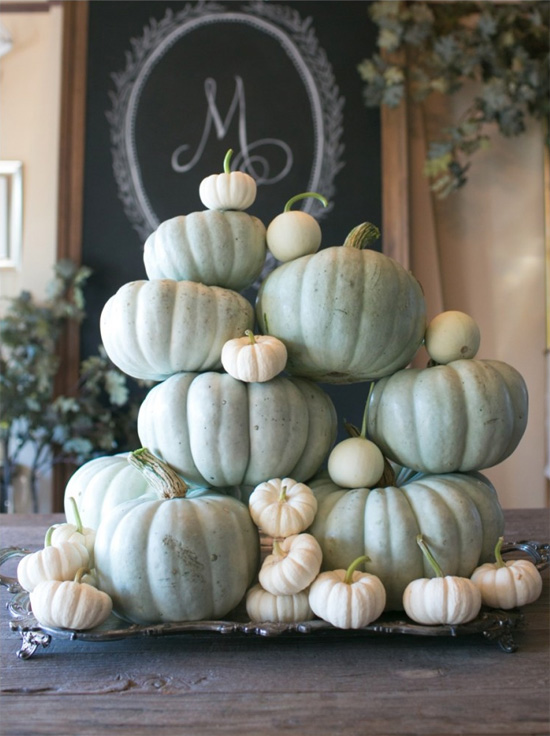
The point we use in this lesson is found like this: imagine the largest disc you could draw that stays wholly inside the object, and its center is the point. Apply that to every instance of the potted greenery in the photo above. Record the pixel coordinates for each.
(37, 425)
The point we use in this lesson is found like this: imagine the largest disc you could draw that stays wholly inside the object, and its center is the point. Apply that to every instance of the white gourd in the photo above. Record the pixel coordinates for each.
(292, 566)
(261, 605)
(254, 358)
(282, 507)
(52, 563)
(69, 604)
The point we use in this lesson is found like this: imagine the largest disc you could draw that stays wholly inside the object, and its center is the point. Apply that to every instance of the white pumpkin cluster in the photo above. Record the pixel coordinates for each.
(60, 580)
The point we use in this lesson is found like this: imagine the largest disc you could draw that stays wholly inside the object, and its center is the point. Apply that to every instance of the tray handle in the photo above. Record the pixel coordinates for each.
(9, 553)
(537, 551)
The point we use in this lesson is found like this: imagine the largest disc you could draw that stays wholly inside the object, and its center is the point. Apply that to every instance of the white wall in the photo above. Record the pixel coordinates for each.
(30, 93)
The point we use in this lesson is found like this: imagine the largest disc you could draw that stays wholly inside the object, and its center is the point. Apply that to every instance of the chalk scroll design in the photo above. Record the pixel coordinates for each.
(298, 38)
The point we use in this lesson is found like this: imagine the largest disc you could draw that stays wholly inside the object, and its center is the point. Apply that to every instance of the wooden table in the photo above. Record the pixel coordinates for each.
(337, 684)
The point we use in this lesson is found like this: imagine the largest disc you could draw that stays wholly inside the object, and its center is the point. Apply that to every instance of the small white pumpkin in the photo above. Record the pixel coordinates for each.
(73, 533)
(261, 605)
(507, 584)
(52, 563)
(232, 190)
(282, 507)
(444, 599)
(452, 335)
(70, 604)
(293, 565)
(254, 358)
(294, 233)
(348, 599)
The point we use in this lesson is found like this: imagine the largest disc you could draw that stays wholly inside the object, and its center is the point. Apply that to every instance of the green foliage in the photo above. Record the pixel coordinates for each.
(502, 46)
(101, 416)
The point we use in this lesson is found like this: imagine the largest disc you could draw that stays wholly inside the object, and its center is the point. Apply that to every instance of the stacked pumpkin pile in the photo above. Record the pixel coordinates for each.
(408, 498)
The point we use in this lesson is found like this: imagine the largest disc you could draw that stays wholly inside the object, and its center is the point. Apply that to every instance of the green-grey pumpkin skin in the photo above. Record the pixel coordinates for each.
(216, 248)
(153, 329)
(217, 431)
(466, 415)
(181, 559)
(345, 315)
(458, 514)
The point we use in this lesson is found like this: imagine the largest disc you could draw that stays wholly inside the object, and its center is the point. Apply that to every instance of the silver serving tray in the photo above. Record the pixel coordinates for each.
(493, 624)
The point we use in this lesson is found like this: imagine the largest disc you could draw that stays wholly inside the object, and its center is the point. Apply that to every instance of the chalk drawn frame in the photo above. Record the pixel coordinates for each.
(298, 40)
(394, 186)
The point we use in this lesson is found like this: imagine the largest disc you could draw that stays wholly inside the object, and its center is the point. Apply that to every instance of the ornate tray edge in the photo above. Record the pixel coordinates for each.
(493, 624)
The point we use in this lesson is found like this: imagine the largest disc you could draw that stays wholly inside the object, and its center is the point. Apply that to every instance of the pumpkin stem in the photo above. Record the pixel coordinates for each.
(161, 477)
(388, 477)
(79, 527)
(48, 538)
(80, 574)
(277, 551)
(428, 555)
(250, 336)
(282, 495)
(498, 555)
(266, 325)
(348, 579)
(362, 236)
(226, 162)
(365, 413)
(305, 195)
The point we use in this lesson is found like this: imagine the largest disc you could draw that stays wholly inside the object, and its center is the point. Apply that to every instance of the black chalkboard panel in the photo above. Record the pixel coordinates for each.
(172, 85)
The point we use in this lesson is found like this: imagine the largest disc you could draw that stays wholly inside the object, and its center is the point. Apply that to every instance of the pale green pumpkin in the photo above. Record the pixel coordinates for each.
(153, 329)
(215, 430)
(346, 314)
(458, 514)
(216, 248)
(174, 558)
(101, 484)
(466, 415)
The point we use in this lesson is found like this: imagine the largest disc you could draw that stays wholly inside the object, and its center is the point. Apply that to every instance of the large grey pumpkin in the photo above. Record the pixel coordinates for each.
(216, 248)
(458, 514)
(466, 415)
(346, 314)
(153, 329)
(218, 431)
(174, 557)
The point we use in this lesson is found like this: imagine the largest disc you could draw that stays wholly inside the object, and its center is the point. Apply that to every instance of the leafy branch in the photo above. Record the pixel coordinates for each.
(99, 418)
(502, 46)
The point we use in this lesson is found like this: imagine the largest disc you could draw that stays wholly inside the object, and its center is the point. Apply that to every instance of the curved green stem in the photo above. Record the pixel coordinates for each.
(226, 162)
(365, 413)
(79, 527)
(305, 195)
(348, 579)
(161, 477)
(362, 236)
(80, 574)
(48, 538)
(250, 336)
(282, 495)
(498, 556)
(428, 555)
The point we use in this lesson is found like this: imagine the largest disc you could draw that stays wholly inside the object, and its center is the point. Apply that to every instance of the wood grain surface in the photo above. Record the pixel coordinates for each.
(305, 684)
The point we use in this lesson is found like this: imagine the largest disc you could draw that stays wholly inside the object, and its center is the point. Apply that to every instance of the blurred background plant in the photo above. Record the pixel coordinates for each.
(35, 424)
(502, 46)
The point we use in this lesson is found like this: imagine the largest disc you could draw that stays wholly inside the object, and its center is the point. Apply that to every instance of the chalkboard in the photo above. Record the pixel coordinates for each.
(171, 86)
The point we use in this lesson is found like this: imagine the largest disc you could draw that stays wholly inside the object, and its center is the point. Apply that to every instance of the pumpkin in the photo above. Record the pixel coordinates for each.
(73, 533)
(232, 190)
(348, 599)
(52, 563)
(70, 604)
(175, 558)
(99, 485)
(452, 335)
(443, 599)
(459, 514)
(507, 584)
(294, 233)
(217, 431)
(264, 606)
(282, 507)
(292, 566)
(216, 248)
(467, 415)
(356, 461)
(153, 329)
(346, 314)
(254, 358)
